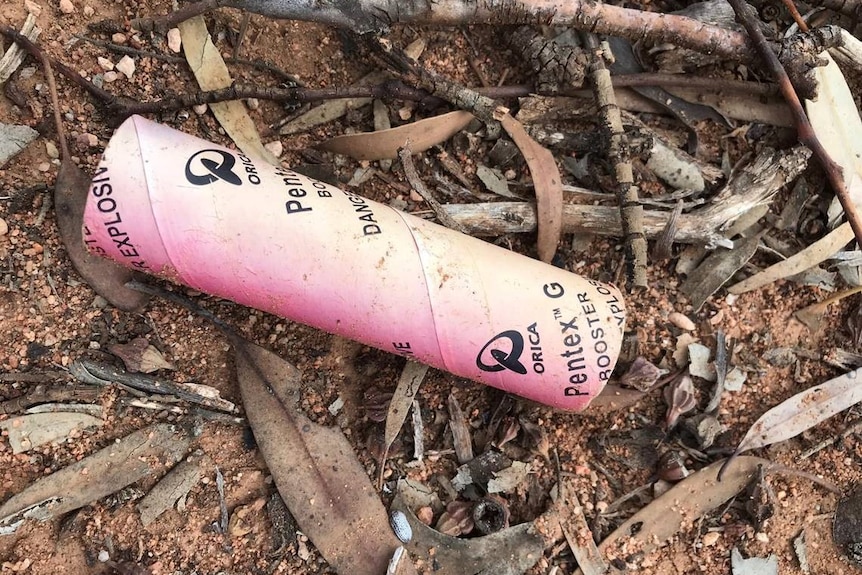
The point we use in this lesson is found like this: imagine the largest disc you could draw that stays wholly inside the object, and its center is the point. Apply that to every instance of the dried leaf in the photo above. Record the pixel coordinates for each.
(212, 74)
(511, 551)
(836, 123)
(803, 411)
(813, 255)
(771, 109)
(105, 277)
(376, 403)
(139, 356)
(460, 431)
(29, 431)
(323, 484)
(144, 452)
(680, 506)
(332, 109)
(506, 480)
(535, 437)
(546, 181)
(812, 315)
(385, 144)
(613, 398)
(570, 513)
(716, 270)
(641, 374)
(680, 399)
(411, 378)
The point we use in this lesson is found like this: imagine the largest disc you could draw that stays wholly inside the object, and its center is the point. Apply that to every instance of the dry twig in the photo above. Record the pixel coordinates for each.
(596, 17)
(805, 131)
(631, 211)
(416, 183)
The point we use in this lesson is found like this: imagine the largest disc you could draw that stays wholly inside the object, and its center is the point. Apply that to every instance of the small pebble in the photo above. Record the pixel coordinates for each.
(66, 6)
(85, 141)
(104, 556)
(118, 38)
(762, 537)
(710, 538)
(43, 167)
(127, 66)
(252, 103)
(51, 149)
(89, 11)
(200, 110)
(174, 40)
(110, 76)
(4, 227)
(681, 321)
(32, 8)
(275, 148)
(105, 64)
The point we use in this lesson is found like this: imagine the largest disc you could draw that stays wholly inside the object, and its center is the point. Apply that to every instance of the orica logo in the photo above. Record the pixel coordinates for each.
(208, 166)
(503, 352)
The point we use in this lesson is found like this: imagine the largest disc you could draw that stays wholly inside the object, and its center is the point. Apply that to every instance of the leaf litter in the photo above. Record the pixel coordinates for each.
(149, 451)
(803, 411)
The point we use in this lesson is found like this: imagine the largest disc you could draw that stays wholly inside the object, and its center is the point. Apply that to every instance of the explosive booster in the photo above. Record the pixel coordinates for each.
(175, 206)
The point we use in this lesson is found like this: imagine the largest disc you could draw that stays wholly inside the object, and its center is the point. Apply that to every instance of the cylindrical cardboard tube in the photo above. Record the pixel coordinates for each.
(178, 207)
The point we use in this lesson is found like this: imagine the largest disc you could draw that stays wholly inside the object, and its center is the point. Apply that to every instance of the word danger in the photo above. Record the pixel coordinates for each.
(301, 196)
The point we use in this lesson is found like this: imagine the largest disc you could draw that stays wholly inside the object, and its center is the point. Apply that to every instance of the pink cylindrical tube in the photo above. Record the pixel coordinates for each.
(202, 215)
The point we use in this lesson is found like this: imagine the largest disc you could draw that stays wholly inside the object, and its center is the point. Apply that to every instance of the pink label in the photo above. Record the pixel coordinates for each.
(175, 206)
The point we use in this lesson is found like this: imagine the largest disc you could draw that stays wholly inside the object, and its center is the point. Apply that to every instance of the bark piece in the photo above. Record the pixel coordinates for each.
(716, 270)
(169, 490)
(145, 452)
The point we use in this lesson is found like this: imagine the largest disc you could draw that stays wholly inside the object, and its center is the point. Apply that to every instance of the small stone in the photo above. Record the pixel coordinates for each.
(86, 141)
(32, 8)
(13, 139)
(200, 109)
(43, 167)
(405, 113)
(175, 41)
(118, 38)
(762, 537)
(275, 148)
(252, 103)
(127, 66)
(735, 379)
(710, 538)
(51, 149)
(89, 11)
(104, 556)
(681, 321)
(66, 6)
(111, 76)
(4, 227)
(105, 64)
